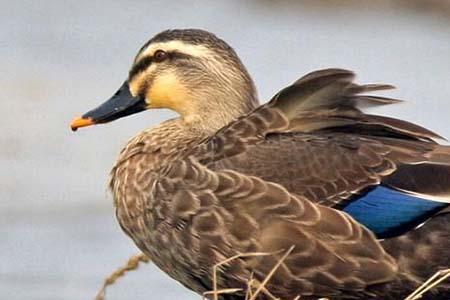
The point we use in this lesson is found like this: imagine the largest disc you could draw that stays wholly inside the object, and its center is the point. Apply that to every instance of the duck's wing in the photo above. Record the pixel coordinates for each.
(313, 139)
(215, 215)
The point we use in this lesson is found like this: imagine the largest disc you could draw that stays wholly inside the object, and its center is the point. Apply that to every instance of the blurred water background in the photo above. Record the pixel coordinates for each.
(59, 237)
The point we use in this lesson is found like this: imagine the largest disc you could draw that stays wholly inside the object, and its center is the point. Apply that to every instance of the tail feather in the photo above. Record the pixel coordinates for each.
(330, 100)
(440, 155)
(429, 179)
(365, 88)
(404, 127)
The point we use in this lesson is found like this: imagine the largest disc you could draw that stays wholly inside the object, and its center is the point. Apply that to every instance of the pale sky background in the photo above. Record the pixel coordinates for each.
(61, 58)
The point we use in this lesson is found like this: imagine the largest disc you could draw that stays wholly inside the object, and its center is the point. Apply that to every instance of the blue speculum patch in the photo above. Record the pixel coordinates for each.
(389, 213)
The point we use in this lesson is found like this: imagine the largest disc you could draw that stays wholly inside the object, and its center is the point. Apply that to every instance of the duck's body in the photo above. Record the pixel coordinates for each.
(140, 164)
(307, 170)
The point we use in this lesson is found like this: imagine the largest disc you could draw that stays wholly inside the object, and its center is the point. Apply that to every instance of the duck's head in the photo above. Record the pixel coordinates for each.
(189, 71)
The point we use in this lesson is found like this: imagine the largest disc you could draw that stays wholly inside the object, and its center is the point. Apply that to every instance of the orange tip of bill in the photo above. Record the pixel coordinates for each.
(81, 122)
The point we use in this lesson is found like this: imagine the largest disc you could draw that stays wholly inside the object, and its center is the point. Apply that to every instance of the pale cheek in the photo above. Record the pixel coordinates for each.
(155, 98)
(166, 92)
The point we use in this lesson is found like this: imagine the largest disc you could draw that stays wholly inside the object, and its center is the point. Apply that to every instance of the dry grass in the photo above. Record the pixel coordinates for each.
(254, 287)
(251, 283)
(131, 265)
(432, 282)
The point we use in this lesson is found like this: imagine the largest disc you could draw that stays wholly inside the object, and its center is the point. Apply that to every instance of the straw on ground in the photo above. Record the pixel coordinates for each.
(254, 287)
(132, 264)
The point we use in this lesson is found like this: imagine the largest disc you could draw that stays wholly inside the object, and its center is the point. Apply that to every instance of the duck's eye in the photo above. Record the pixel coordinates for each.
(160, 55)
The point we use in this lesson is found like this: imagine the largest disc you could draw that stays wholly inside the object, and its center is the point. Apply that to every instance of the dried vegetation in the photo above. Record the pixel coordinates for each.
(254, 287)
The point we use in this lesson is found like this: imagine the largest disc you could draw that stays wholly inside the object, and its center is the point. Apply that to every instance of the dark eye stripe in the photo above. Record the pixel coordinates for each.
(147, 61)
(140, 66)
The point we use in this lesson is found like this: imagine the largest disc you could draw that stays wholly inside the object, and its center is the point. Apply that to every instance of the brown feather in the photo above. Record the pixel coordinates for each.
(347, 255)
(190, 200)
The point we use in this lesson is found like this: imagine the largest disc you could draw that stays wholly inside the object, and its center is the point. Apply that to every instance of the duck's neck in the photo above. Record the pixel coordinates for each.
(213, 114)
(218, 99)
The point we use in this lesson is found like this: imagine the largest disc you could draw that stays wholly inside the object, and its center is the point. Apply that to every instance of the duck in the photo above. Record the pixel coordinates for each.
(360, 201)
